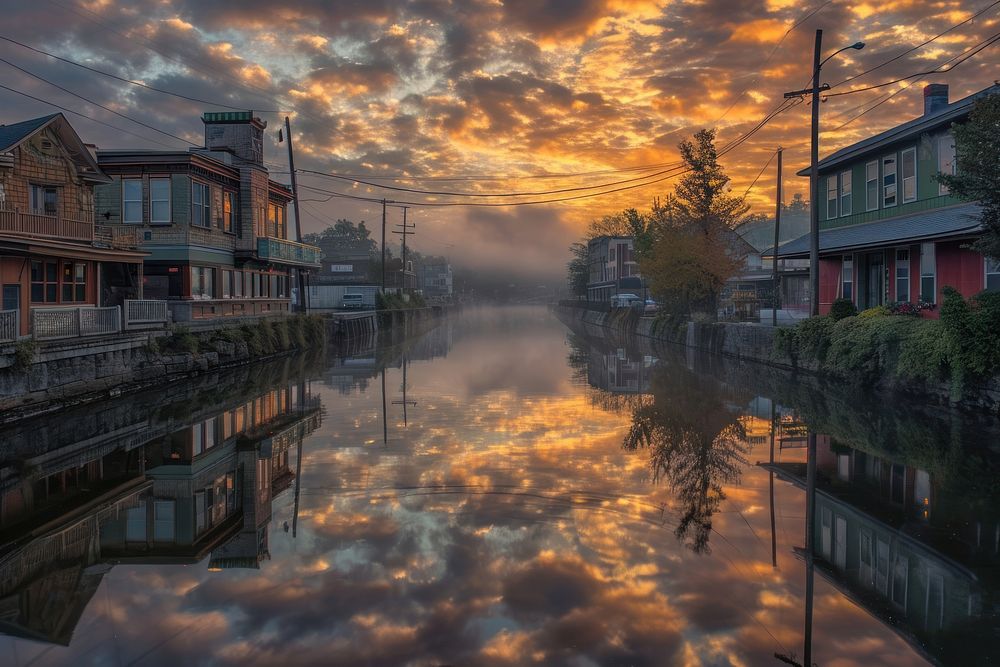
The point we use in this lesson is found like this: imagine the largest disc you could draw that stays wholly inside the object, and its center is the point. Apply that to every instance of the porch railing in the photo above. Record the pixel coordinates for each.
(45, 226)
(10, 325)
(52, 323)
(145, 313)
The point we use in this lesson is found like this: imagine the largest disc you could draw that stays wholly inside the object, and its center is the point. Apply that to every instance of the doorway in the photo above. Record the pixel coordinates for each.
(873, 281)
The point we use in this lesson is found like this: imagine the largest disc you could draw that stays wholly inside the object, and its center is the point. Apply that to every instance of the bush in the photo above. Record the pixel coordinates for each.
(24, 354)
(924, 354)
(877, 311)
(842, 308)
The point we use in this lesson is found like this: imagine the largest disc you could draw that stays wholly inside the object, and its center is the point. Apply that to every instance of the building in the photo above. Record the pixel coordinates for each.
(613, 268)
(435, 277)
(344, 263)
(54, 259)
(215, 226)
(904, 237)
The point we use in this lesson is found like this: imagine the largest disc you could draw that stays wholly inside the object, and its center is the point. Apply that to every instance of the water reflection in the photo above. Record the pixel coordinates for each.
(632, 506)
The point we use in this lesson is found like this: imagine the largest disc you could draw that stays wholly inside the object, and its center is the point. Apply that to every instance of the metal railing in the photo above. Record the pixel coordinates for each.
(288, 252)
(46, 226)
(10, 325)
(52, 323)
(144, 313)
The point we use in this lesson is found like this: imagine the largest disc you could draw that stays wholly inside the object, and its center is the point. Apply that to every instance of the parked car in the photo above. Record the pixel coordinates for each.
(353, 301)
(625, 300)
(650, 307)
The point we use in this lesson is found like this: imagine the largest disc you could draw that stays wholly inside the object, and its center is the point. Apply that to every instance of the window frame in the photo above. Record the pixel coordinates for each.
(897, 278)
(846, 193)
(903, 178)
(153, 220)
(895, 181)
(206, 288)
(76, 284)
(868, 181)
(987, 273)
(201, 211)
(932, 276)
(126, 182)
(844, 261)
(835, 199)
(228, 212)
(39, 201)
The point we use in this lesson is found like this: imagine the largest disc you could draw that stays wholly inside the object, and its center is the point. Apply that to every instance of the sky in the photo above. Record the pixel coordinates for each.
(512, 90)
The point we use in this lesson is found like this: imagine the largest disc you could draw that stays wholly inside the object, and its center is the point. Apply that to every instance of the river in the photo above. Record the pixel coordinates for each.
(500, 489)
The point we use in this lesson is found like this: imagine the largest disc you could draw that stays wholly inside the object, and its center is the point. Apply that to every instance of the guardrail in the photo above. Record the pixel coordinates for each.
(46, 226)
(145, 313)
(10, 325)
(53, 323)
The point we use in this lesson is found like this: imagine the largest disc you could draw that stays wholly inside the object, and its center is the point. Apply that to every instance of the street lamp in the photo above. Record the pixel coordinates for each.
(815, 90)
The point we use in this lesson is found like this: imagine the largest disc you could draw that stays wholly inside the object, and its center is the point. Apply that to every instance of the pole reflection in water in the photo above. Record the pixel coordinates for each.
(561, 497)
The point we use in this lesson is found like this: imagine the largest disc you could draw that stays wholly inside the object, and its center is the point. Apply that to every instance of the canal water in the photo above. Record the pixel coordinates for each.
(502, 488)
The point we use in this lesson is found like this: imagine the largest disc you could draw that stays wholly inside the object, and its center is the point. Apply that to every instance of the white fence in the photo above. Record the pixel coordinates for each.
(146, 313)
(10, 325)
(51, 323)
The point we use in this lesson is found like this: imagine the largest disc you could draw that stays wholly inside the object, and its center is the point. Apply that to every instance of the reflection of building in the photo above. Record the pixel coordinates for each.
(614, 371)
(203, 488)
(613, 268)
(881, 539)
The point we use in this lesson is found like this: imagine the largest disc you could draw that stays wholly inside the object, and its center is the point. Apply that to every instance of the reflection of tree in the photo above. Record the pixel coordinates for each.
(696, 445)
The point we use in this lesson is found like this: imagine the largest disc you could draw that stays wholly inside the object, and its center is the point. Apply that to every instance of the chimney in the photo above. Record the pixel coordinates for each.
(935, 97)
(238, 132)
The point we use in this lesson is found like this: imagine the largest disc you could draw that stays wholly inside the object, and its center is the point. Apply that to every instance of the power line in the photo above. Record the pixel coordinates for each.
(96, 104)
(128, 81)
(757, 178)
(919, 46)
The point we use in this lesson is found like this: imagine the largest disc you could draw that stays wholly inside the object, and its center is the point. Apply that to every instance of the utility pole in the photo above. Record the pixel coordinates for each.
(383, 247)
(404, 233)
(777, 227)
(300, 277)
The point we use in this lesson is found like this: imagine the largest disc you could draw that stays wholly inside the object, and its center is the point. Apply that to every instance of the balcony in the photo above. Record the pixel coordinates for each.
(291, 253)
(35, 226)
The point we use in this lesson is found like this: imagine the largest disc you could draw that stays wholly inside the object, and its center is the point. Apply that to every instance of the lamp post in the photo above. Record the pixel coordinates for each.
(815, 90)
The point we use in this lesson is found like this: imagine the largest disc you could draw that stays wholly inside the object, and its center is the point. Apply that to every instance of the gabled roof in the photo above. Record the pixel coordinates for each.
(926, 225)
(12, 136)
(944, 116)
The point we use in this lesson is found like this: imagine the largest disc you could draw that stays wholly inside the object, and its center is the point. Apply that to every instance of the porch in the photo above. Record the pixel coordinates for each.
(62, 322)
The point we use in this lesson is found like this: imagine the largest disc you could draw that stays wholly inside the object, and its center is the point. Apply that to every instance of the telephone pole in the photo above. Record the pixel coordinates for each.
(404, 232)
(383, 246)
(300, 277)
(774, 268)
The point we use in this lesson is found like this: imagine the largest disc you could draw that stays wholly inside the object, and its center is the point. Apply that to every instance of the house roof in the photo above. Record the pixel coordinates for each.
(945, 115)
(12, 136)
(925, 225)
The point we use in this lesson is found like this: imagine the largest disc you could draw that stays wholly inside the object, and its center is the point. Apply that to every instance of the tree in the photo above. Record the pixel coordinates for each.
(977, 173)
(346, 233)
(578, 269)
(692, 248)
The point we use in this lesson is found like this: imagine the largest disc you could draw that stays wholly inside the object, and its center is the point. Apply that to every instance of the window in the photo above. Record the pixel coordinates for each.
(900, 580)
(928, 272)
(201, 205)
(831, 197)
(44, 200)
(237, 284)
(889, 181)
(202, 282)
(280, 216)
(847, 278)
(74, 282)
(135, 524)
(228, 212)
(199, 512)
(132, 200)
(256, 285)
(159, 200)
(44, 282)
(272, 220)
(871, 186)
(902, 275)
(845, 193)
(163, 520)
(946, 159)
(825, 533)
(227, 284)
(908, 167)
(992, 274)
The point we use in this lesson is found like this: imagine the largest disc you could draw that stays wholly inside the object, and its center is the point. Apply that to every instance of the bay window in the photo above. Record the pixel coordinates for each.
(201, 205)
(159, 200)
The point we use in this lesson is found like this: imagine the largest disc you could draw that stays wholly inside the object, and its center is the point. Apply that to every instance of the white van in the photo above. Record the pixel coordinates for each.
(624, 300)
(353, 301)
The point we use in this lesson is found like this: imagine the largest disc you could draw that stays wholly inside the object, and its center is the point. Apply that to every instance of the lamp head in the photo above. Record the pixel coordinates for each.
(858, 45)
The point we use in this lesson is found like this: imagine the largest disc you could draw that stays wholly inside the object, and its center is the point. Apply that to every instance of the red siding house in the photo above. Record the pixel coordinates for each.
(889, 231)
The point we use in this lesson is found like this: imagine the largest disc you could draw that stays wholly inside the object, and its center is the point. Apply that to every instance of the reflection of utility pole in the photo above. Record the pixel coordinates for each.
(385, 419)
(774, 251)
(383, 246)
(298, 462)
(774, 538)
(810, 540)
(404, 402)
(404, 233)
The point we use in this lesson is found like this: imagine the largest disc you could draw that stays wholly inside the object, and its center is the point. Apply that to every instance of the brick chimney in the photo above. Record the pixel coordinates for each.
(935, 97)
(238, 132)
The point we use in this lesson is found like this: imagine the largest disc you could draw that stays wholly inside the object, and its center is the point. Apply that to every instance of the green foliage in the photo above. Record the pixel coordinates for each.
(578, 269)
(977, 173)
(258, 344)
(842, 308)
(24, 354)
(181, 340)
(877, 311)
(346, 234)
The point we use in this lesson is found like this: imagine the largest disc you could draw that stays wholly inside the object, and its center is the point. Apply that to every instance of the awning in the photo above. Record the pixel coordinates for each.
(960, 220)
(68, 250)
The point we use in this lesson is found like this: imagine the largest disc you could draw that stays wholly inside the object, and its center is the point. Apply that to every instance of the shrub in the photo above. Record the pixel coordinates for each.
(842, 308)
(282, 338)
(877, 311)
(924, 355)
(867, 348)
(24, 354)
(257, 343)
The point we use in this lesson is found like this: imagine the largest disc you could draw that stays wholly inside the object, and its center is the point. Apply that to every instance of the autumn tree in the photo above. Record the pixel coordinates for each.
(578, 269)
(977, 173)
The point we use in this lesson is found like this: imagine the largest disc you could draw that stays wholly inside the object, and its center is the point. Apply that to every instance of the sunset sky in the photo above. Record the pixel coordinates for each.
(489, 88)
